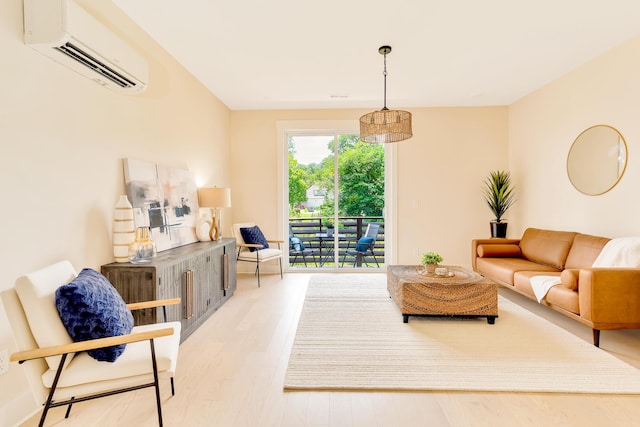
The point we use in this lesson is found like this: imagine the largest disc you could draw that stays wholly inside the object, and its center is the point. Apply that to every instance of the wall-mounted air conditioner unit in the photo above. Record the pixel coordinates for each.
(69, 35)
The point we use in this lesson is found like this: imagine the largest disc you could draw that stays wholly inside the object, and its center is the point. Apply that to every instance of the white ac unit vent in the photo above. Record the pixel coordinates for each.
(69, 35)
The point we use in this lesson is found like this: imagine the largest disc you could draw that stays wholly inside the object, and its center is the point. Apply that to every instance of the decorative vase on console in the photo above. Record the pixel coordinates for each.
(124, 230)
(142, 249)
(203, 226)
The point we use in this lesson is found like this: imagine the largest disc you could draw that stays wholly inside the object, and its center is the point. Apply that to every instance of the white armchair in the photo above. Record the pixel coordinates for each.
(251, 251)
(59, 371)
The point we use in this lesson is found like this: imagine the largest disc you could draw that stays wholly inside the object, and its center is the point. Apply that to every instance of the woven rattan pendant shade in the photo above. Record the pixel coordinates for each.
(385, 125)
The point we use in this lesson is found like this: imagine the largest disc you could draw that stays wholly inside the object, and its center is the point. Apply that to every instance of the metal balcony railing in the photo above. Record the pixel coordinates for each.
(315, 235)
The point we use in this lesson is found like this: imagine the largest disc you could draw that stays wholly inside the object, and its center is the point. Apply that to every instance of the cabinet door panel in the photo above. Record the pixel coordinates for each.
(135, 285)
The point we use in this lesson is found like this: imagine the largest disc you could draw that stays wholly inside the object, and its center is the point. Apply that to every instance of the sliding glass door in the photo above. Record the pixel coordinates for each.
(336, 195)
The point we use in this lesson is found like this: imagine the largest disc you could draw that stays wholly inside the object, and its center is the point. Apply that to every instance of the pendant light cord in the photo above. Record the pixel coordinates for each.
(385, 82)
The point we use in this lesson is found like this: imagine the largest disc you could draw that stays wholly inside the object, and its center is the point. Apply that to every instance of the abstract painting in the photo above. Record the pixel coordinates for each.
(165, 200)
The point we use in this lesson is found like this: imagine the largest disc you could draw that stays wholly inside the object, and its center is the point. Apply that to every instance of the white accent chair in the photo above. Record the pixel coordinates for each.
(258, 256)
(59, 371)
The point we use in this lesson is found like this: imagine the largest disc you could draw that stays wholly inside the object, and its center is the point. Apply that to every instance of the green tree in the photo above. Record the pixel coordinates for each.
(297, 183)
(345, 143)
(361, 183)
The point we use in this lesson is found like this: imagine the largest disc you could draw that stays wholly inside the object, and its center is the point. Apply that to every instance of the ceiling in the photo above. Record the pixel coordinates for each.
(300, 54)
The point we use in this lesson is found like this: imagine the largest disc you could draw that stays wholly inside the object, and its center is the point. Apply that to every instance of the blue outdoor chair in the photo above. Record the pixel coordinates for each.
(364, 246)
(297, 248)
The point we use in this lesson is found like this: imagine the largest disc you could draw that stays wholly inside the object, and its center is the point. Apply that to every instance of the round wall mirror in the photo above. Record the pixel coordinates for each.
(597, 159)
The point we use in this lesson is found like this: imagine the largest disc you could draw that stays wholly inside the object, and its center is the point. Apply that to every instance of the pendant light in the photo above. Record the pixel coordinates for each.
(385, 125)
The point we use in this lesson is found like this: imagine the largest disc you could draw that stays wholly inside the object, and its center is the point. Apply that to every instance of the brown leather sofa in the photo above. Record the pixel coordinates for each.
(601, 298)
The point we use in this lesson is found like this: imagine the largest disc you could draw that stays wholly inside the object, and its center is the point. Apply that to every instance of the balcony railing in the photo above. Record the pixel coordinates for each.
(313, 232)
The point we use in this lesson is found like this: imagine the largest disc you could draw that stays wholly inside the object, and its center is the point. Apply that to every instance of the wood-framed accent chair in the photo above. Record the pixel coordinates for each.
(364, 246)
(256, 252)
(59, 371)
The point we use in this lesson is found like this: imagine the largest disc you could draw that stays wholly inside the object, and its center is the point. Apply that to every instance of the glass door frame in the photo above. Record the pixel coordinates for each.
(328, 128)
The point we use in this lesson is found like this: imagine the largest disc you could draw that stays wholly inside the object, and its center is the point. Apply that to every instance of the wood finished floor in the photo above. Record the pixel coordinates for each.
(231, 371)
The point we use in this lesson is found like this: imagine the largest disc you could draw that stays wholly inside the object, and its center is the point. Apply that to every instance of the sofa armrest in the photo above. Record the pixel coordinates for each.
(610, 295)
(493, 241)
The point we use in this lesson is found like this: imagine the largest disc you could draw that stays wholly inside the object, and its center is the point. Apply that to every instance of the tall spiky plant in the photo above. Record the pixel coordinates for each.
(499, 193)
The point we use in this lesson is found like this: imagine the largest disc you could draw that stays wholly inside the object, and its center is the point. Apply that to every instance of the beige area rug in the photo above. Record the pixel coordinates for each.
(351, 337)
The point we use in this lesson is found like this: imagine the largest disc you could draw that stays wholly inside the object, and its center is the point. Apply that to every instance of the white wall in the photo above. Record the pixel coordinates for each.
(544, 124)
(440, 174)
(63, 138)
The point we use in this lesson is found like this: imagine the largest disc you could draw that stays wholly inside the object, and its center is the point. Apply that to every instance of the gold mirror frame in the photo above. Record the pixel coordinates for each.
(597, 160)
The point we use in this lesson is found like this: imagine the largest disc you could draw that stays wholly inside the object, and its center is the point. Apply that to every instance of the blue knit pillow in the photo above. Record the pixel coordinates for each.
(90, 307)
(363, 244)
(253, 236)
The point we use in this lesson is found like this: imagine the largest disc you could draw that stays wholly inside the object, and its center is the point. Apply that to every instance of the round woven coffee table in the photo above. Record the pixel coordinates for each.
(465, 293)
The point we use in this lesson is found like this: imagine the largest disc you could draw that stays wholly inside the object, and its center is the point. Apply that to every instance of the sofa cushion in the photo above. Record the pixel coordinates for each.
(522, 280)
(562, 297)
(90, 308)
(261, 255)
(502, 251)
(548, 247)
(584, 250)
(503, 269)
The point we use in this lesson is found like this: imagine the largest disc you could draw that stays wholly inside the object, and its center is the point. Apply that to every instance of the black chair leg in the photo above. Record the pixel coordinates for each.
(66, 415)
(373, 254)
(53, 390)
(156, 381)
(173, 389)
(258, 268)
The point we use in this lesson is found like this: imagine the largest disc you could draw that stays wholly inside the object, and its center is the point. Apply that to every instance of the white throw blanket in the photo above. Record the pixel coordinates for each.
(542, 284)
(621, 252)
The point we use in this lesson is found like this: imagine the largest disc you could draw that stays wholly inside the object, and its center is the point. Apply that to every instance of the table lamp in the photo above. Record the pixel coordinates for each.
(215, 199)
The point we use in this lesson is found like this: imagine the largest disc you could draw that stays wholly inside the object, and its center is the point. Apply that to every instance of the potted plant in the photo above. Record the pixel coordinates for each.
(329, 224)
(430, 260)
(499, 194)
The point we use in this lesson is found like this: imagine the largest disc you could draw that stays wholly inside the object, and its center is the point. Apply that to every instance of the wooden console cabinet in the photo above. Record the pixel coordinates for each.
(202, 274)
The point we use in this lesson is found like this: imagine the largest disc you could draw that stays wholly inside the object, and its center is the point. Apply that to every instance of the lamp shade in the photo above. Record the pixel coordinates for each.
(385, 126)
(214, 197)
